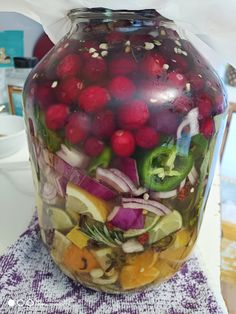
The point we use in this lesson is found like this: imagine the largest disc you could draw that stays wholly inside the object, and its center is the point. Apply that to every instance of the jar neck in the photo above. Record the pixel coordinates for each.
(107, 14)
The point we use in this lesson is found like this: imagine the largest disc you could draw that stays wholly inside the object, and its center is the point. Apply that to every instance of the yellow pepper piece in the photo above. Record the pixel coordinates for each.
(78, 237)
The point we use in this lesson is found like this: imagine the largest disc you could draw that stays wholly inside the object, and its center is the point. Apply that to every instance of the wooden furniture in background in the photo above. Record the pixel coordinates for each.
(231, 110)
(228, 241)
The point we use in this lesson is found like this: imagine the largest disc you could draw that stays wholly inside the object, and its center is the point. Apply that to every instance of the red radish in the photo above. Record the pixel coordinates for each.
(69, 65)
(167, 48)
(140, 39)
(207, 127)
(44, 95)
(115, 37)
(152, 64)
(93, 146)
(121, 88)
(122, 65)
(165, 121)
(133, 114)
(176, 79)
(93, 98)
(196, 81)
(77, 127)
(123, 143)
(179, 63)
(66, 47)
(204, 104)
(182, 104)
(146, 137)
(68, 90)
(87, 45)
(94, 69)
(220, 103)
(156, 92)
(56, 116)
(104, 124)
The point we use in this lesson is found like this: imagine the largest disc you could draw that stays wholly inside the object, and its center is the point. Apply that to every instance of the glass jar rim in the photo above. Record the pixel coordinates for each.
(104, 13)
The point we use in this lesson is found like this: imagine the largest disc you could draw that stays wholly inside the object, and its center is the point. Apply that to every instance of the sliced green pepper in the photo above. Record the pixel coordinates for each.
(199, 146)
(103, 160)
(163, 170)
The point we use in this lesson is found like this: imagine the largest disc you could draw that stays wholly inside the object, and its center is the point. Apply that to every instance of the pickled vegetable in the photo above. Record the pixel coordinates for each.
(123, 116)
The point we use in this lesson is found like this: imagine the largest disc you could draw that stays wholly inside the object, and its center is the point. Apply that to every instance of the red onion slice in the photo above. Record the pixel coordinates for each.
(163, 195)
(58, 164)
(127, 218)
(112, 180)
(41, 162)
(62, 167)
(48, 157)
(61, 183)
(92, 186)
(73, 157)
(149, 208)
(135, 191)
(129, 167)
(152, 203)
(49, 193)
(190, 120)
(113, 213)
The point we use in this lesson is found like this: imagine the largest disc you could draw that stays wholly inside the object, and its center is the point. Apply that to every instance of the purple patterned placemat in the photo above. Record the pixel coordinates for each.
(31, 283)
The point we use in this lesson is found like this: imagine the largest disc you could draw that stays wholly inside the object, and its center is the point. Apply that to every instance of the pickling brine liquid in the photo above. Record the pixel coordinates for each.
(123, 117)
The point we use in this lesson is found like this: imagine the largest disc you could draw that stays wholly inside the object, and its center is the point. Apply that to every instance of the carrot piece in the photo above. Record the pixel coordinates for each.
(80, 260)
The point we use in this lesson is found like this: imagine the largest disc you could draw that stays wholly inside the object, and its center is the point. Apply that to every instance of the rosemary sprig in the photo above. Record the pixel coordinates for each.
(101, 234)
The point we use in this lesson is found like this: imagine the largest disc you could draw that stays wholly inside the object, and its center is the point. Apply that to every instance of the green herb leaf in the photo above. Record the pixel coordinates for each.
(101, 234)
(199, 146)
(50, 138)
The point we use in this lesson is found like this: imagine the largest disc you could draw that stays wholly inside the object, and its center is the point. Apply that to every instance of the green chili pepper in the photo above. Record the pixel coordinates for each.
(199, 146)
(163, 170)
(103, 160)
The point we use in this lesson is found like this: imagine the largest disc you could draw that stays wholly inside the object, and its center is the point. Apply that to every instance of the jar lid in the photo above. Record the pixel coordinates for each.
(20, 62)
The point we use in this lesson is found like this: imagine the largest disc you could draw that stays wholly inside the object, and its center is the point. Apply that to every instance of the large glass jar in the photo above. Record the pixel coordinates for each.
(123, 118)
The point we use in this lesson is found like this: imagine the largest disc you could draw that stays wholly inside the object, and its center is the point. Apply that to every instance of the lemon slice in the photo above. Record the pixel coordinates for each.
(182, 239)
(103, 257)
(150, 222)
(74, 204)
(86, 203)
(60, 219)
(166, 225)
